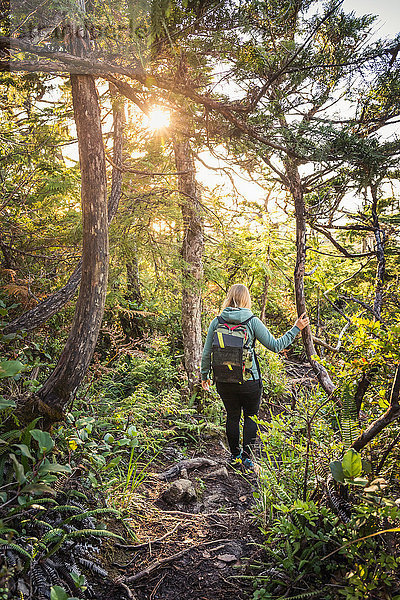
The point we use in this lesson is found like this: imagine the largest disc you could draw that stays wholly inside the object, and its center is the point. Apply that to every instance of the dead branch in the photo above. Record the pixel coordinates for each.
(336, 348)
(149, 542)
(160, 563)
(363, 304)
(338, 246)
(384, 420)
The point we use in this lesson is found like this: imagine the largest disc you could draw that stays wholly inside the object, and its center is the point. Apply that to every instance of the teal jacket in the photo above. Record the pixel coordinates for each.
(257, 330)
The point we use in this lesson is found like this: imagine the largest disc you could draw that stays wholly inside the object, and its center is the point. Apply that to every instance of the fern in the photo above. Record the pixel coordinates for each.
(348, 418)
(94, 533)
(11, 546)
(4, 530)
(304, 596)
(76, 494)
(43, 523)
(92, 566)
(66, 508)
(92, 513)
(26, 505)
(53, 534)
(297, 521)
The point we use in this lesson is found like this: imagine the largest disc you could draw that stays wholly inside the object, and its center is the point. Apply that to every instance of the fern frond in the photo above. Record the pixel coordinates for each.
(10, 546)
(348, 419)
(297, 521)
(94, 533)
(77, 494)
(4, 530)
(52, 535)
(92, 513)
(26, 505)
(92, 566)
(350, 431)
(43, 523)
(304, 596)
(66, 508)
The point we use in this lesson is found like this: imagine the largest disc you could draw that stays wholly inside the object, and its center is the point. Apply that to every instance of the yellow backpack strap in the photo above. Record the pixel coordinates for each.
(220, 339)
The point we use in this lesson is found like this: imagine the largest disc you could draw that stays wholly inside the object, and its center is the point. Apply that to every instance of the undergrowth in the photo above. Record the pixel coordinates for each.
(310, 552)
(59, 489)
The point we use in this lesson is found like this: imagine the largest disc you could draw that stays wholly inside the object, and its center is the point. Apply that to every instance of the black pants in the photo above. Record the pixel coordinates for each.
(237, 397)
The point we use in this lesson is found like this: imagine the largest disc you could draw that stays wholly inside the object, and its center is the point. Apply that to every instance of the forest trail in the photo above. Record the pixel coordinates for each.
(199, 547)
(199, 535)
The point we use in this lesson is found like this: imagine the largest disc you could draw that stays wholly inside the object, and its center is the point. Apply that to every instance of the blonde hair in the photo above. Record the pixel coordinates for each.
(238, 296)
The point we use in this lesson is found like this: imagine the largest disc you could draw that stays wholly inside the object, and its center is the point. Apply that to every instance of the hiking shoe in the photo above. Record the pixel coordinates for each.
(235, 460)
(248, 464)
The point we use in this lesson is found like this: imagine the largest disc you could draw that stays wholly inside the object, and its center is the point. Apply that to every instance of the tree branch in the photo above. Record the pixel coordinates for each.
(384, 420)
(338, 246)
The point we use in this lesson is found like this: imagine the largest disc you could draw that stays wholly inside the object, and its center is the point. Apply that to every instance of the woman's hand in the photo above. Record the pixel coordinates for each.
(302, 321)
(206, 385)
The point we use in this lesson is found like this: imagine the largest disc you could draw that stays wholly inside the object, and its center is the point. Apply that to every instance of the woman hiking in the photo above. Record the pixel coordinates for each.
(229, 353)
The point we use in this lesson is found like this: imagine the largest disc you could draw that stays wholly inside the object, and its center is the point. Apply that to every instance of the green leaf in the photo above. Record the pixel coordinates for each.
(58, 593)
(43, 439)
(352, 465)
(5, 403)
(19, 469)
(337, 470)
(366, 466)
(38, 488)
(9, 368)
(24, 450)
(49, 467)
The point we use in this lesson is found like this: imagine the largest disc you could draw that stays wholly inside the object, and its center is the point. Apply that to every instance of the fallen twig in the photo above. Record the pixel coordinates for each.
(131, 596)
(149, 542)
(195, 515)
(159, 563)
(157, 586)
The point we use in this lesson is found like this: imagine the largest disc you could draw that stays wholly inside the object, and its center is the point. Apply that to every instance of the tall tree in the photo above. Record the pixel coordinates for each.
(192, 257)
(63, 382)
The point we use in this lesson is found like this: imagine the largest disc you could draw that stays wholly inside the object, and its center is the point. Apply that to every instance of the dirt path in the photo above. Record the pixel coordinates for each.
(199, 548)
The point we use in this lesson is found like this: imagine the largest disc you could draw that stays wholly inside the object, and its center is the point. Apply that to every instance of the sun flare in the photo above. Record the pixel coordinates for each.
(158, 118)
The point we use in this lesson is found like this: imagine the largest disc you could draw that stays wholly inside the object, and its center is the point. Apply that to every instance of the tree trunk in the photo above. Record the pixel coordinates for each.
(380, 253)
(133, 282)
(132, 323)
(264, 295)
(192, 256)
(8, 262)
(62, 384)
(34, 318)
(384, 420)
(296, 190)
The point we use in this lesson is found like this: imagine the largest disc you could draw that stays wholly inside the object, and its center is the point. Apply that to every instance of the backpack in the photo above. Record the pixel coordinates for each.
(231, 354)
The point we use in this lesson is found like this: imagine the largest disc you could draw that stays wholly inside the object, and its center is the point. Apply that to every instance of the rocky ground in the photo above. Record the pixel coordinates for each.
(198, 536)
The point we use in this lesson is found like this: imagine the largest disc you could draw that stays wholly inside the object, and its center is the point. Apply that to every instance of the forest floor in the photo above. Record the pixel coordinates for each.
(200, 548)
